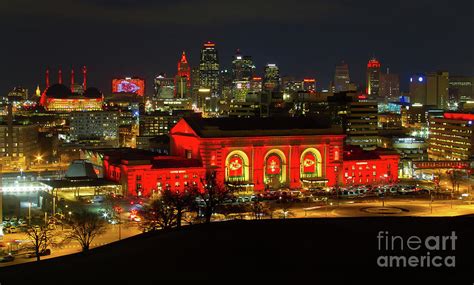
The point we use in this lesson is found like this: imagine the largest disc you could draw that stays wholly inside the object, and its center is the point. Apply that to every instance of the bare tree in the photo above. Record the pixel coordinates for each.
(86, 226)
(158, 215)
(212, 195)
(41, 237)
(181, 202)
(455, 179)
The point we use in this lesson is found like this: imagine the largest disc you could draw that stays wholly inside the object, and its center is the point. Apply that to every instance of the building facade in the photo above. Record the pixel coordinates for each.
(361, 124)
(389, 86)
(271, 79)
(262, 153)
(95, 125)
(18, 144)
(430, 89)
(451, 137)
(209, 69)
(342, 78)
(373, 78)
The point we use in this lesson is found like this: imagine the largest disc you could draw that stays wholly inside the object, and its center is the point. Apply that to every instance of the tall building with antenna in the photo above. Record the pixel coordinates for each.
(209, 69)
(373, 77)
(183, 78)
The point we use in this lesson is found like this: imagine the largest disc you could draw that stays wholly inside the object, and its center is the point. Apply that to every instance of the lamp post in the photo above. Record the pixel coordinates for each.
(119, 211)
(38, 158)
(29, 213)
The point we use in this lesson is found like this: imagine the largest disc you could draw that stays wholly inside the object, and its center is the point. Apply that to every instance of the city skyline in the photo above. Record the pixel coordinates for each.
(321, 43)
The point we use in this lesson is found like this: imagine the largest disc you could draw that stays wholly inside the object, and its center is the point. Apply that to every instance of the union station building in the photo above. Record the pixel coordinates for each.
(274, 153)
(253, 154)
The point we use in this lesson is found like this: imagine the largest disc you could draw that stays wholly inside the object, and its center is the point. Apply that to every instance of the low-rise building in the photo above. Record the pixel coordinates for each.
(451, 137)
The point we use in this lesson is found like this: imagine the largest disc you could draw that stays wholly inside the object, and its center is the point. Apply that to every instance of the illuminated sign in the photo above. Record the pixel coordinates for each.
(361, 163)
(178, 171)
(236, 166)
(128, 85)
(309, 163)
(273, 164)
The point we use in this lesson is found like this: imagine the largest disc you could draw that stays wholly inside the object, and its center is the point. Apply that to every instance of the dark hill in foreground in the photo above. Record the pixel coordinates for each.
(314, 250)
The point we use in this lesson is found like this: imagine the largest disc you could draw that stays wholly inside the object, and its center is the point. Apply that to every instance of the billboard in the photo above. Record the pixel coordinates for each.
(129, 85)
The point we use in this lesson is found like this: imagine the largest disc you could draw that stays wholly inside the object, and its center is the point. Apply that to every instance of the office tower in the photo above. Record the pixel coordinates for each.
(271, 79)
(417, 89)
(18, 144)
(341, 78)
(256, 84)
(451, 137)
(226, 84)
(183, 78)
(437, 89)
(461, 88)
(95, 126)
(209, 69)
(389, 86)
(195, 79)
(309, 85)
(361, 124)
(164, 87)
(242, 67)
(373, 78)
(430, 89)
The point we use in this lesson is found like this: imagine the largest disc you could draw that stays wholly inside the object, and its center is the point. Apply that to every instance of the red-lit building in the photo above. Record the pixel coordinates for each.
(369, 167)
(253, 154)
(262, 153)
(141, 173)
(61, 98)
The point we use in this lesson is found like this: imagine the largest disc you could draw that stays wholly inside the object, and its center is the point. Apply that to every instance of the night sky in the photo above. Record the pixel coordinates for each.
(305, 38)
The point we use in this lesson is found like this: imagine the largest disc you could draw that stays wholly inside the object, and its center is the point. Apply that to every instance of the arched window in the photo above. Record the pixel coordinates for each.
(275, 168)
(237, 167)
(310, 164)
(273, 165)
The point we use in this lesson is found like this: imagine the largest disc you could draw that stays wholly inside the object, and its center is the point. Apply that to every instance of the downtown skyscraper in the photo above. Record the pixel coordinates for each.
(341, 78)
(271, 78)
(242, 72)
(373, 77)
(183, 78)
(209, 69)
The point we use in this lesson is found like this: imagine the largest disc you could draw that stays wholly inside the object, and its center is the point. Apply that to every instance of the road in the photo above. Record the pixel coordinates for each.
(111, 235)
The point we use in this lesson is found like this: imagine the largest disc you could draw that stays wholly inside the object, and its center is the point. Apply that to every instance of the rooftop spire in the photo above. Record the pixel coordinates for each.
(183, 58)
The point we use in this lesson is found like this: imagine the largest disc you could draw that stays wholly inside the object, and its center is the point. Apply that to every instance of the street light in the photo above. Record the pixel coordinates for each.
(29, 213)
(39, 157)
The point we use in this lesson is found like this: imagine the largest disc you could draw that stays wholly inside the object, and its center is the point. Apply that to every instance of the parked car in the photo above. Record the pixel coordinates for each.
(41, 253)
(12, 230)
(98, 199)
(7, 258)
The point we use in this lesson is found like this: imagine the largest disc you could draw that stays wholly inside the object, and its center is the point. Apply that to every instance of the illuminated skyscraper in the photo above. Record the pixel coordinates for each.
(183, 78)
(164, 87)
(373, 77)
(430, 89)
(209, 69)
(389, 85)
(271, 79)
(341, 77)
(242, 71)
(242, 67)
